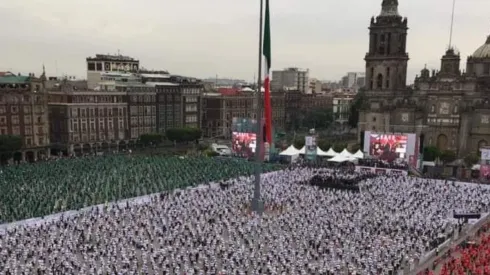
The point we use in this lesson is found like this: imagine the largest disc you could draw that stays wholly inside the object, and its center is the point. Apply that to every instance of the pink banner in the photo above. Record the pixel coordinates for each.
(484, 171)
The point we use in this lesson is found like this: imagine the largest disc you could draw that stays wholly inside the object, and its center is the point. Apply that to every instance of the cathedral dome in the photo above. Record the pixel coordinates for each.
(483, 51)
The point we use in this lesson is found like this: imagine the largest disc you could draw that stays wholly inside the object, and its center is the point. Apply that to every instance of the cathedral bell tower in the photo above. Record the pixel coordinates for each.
(386, 61)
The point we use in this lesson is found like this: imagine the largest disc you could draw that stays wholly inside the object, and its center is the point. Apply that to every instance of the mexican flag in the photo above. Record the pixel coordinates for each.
(267, 81)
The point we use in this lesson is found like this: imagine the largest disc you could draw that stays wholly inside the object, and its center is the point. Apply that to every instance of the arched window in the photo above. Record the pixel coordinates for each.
(387, 80)
(372, 78)
(379, 81)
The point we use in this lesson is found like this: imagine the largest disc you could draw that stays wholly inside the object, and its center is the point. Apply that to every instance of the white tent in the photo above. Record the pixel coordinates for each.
(358, 155)
(331, 153)
(290, 151)
(321, 153)
(346, 153)
(339, 159)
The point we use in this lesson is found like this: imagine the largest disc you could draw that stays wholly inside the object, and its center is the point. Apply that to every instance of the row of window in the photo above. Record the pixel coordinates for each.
(16, 99)
(101, 137)
(75, 126)
(26, 109)
(143, 98)
(142, 110)
(191, 118)
(97, 99)
(96, 112)
(146, 121)
(14, 120)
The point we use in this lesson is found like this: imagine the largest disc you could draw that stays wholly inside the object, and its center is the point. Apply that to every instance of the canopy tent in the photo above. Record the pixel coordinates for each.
(345, 153)
(331, 153)
(358, 155)
(290, 151)
(339, 159)
(319, 152)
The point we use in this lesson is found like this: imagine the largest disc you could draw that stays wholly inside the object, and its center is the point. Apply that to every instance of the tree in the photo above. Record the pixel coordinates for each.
(355, 148)
(431, 153)
(355, 107)
(299, 142)
(471, 160)
(183, 134)
(151, 139)
(448, 156)
(319, 118)
(8, 146)
(324, 144)
(339, 147)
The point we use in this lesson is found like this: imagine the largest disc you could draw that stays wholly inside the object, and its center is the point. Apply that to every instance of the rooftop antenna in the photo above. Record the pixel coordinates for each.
(452, 23)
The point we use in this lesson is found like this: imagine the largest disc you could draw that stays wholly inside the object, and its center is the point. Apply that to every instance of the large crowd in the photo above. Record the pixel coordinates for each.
(471, 258)
(40, 189)
(210, 230)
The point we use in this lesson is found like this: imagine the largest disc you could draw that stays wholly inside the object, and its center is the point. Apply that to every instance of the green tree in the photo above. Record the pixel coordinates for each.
(355, 148)
(324, 144)
(355, 107)
(299, 142)
(448, 156)
(319, 118)
(8, 146)
(178, 135)
(339, 147)
(471, 160)
(431, 153)
(151, 139)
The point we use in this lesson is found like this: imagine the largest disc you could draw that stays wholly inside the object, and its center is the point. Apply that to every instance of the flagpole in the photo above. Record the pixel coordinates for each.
(256, 202)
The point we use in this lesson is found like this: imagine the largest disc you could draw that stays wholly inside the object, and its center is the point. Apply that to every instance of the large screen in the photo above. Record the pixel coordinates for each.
(388, 147)
(243, 144)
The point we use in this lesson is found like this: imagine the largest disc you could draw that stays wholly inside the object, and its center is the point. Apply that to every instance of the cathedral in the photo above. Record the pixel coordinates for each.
(447, 108)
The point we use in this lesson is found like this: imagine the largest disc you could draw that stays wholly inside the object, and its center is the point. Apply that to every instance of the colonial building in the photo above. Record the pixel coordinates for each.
(142, 110)
(178, 103)
(24, 112)
(87, 121)
(445, 108)
(219, 109)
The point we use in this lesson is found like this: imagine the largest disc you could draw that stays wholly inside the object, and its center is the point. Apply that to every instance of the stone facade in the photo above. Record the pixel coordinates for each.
(447, 108)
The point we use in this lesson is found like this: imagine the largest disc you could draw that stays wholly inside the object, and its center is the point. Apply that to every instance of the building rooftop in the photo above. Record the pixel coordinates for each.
(112, 57)
(14, 79)
(155, 75)
(154, 84)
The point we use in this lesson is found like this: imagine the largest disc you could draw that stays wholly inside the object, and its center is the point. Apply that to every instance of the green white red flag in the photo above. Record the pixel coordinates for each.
(267, 82)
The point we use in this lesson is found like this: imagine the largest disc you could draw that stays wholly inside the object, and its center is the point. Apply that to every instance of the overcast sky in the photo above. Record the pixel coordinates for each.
(204, 38)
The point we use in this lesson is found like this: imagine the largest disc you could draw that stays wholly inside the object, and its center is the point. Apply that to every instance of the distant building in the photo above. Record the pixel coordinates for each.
(354, 81)
(341, 104)
(84, 121)
(24, 113)
(291, 79)
(315, 86)
(142, 111)
(219, 109)
(105, 63)
(178, 103)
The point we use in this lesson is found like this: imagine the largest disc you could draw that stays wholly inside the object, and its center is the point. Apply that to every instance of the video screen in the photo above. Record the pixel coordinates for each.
(243, 144)
(388, 147)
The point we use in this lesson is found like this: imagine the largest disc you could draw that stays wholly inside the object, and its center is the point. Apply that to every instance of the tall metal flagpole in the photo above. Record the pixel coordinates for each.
(256, 202)
(452, 23)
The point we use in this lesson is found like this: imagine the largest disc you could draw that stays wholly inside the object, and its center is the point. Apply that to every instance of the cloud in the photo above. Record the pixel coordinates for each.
(204, 38)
